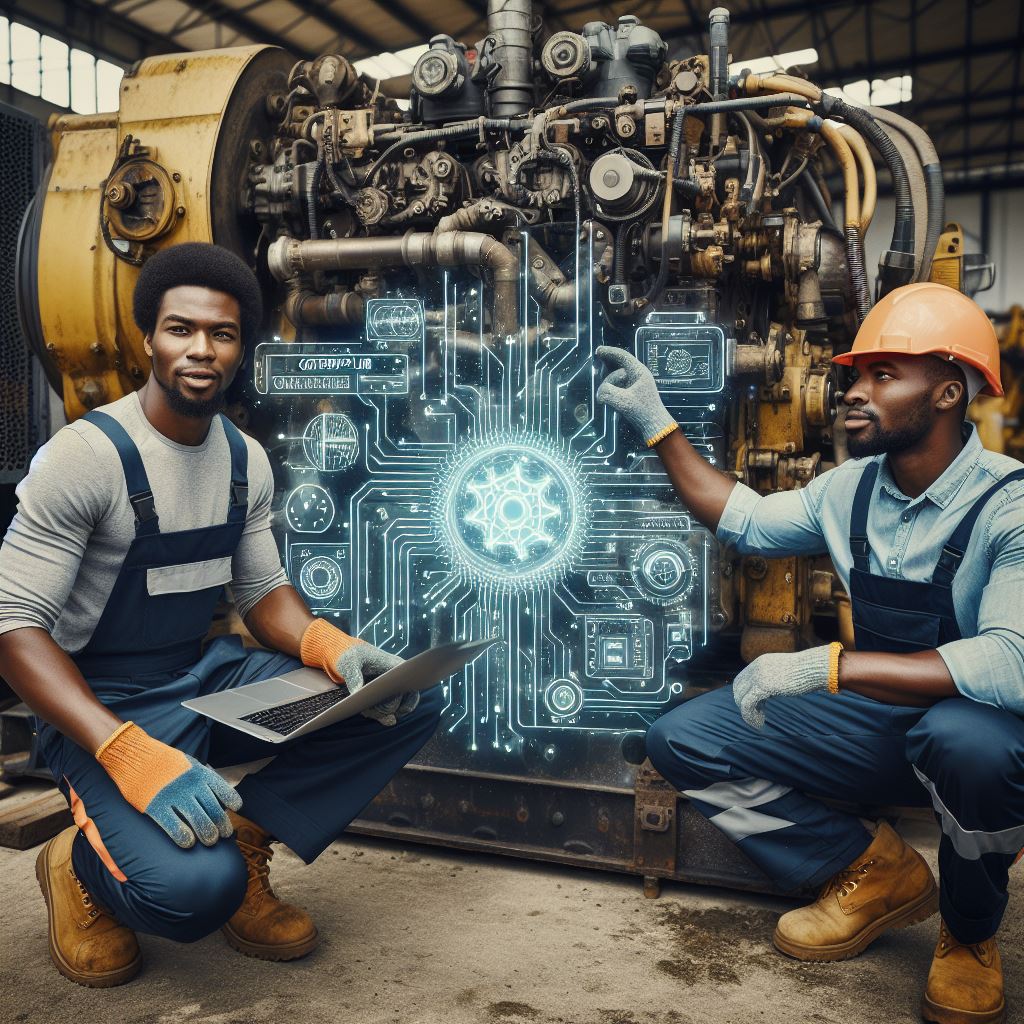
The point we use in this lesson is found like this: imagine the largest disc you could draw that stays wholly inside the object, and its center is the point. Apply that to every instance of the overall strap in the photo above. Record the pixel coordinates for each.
(859, 547)
(954, 549)
(239, 496)
(139, 493)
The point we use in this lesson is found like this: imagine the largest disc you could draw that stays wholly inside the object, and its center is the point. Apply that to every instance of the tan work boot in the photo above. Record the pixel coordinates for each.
(87, 945)
(965, 984)
(888, 886)
(264, 926)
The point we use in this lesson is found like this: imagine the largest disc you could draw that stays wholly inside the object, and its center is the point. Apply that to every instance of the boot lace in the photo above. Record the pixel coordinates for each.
(258, 860)
(92, 911)
(846, 881)
(947, 940)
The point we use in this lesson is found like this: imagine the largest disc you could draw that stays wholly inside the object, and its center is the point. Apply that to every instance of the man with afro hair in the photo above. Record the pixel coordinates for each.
(130, 522)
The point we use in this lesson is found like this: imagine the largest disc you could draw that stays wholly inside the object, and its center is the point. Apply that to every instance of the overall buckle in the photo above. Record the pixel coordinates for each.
(239, 493)
(144, 506)
(950, 558)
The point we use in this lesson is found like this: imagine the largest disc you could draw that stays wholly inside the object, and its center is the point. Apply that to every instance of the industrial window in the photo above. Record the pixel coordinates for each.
(65, 76)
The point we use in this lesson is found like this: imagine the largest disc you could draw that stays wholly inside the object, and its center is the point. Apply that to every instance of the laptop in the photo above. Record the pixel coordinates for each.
(297, 703)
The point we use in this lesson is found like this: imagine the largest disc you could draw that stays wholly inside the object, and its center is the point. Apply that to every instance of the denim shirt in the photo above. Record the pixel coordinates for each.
(906, 537)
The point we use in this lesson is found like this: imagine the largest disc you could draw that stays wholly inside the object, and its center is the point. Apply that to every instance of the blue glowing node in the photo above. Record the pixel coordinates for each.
(512, 511)
(563, 697)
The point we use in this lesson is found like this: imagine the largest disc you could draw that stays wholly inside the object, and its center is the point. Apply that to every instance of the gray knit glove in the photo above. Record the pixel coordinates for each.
(363, 662)
(779, 675)
(631, 391)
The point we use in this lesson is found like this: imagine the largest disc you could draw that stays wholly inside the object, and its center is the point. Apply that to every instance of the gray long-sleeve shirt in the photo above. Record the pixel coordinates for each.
(69, 537)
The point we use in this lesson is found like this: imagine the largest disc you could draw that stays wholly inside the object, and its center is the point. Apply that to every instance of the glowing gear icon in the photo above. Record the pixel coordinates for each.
(512, 510)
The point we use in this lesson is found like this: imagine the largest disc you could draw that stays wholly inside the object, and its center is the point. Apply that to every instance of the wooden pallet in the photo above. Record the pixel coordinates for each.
(30, 813)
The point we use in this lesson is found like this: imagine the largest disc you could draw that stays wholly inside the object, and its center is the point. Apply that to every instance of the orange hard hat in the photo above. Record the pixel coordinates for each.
(930, 319)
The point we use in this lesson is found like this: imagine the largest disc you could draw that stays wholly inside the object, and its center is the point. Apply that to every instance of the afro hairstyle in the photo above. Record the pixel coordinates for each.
(197, 263)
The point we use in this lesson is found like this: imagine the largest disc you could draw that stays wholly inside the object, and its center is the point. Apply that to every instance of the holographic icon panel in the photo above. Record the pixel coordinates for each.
(465, 486)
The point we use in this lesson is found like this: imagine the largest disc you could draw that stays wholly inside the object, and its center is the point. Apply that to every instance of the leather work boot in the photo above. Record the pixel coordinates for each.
(965, 984)
(264, 926)
(87, 945)
(888, 886)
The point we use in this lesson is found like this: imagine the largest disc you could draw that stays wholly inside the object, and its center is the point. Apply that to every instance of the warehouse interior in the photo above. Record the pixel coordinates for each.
(530, 865)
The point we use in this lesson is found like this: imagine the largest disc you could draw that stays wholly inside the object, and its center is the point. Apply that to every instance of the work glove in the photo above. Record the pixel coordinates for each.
(631, 391)
(352, 662)
(779, 675)
(185, 798)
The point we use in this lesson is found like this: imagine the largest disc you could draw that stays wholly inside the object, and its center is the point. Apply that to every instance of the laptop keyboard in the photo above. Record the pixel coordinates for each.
(286, 718)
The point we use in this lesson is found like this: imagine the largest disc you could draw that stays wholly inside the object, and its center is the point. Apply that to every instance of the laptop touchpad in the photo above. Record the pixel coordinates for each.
(274, 691)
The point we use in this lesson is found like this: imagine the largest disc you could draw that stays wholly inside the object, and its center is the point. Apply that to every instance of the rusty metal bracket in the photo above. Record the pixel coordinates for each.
(655, 833)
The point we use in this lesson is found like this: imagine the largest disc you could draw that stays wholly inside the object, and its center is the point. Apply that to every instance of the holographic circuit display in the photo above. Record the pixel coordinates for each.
(440, 483)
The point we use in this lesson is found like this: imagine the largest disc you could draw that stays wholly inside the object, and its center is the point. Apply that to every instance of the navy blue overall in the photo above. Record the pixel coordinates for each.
(964, 758)
(143, 659)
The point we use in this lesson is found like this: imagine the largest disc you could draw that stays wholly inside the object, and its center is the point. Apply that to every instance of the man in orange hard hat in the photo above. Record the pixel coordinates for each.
(926, 529)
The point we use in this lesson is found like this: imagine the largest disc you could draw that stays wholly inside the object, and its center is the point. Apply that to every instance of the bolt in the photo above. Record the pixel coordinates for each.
(538, 262)
(558, 818)
(180, 211)
(177, 177)
(96, 348)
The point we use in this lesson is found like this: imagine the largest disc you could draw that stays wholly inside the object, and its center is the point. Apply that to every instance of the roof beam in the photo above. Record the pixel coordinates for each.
(895, 65)
(91, 26)
(215, 11)
(346, 29)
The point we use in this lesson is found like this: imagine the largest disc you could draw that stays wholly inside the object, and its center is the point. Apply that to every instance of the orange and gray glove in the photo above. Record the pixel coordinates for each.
(185, 798)
(352, 662)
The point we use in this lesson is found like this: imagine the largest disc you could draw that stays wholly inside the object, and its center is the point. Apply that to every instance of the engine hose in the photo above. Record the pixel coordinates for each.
(817, 199)
(855, 262)
(585, 104)
(867, 170)
(934, 186)
(827, 105)
(829, 131)
(748, 103)
(903, 229)
(312, 191)
(621, 246)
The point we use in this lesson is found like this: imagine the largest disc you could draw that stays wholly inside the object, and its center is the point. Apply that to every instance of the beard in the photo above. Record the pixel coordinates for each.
(194, 408)
(874, 440)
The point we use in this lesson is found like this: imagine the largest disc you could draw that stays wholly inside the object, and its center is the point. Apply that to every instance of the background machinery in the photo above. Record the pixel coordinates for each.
(441, 254)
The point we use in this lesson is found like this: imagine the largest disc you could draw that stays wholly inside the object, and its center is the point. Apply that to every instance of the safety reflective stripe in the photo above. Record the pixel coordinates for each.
(737, 799)
(741, 823)
(92, 833)
(972, 843)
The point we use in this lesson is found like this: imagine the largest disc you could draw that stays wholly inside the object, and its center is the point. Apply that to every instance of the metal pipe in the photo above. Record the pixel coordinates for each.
(289, 257)
(508, 24)
(306, 308)
(718, 73)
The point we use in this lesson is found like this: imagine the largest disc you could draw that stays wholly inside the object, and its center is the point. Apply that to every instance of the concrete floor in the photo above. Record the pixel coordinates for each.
(415, 935)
